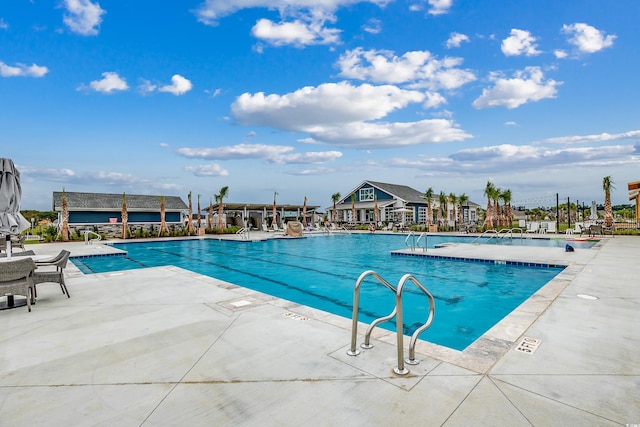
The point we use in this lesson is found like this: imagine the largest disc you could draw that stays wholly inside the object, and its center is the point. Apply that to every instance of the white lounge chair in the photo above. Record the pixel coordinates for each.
(532, 227)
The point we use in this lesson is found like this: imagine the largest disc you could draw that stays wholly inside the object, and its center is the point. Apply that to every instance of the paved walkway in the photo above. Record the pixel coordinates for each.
(164, 346)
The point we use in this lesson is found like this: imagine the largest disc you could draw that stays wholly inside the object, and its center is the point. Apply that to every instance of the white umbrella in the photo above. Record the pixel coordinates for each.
(11, 220)
(594, 211)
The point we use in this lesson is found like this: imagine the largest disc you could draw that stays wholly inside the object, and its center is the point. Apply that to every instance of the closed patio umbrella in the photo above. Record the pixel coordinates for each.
(11, 220)
(275, 212)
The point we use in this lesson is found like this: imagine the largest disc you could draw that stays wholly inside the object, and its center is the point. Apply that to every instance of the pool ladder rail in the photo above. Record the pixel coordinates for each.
(243, 233)
(505, 232)
(413, 241)
(88, 241)
(397, 313)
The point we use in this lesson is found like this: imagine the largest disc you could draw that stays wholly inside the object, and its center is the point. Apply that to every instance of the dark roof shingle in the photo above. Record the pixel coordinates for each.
(104, 201)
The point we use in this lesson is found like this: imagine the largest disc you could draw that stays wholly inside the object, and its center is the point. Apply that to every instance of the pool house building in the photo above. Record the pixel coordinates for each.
(102, 212)
(386, 203)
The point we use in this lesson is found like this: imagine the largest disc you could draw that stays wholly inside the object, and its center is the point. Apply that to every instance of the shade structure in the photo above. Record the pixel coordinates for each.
(11, 220)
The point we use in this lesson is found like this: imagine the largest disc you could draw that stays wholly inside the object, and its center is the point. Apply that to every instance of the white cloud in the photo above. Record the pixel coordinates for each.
(329, 103)
(179, 86)
(530, 157)
(434, 100)
(560, 54)
(110, 83)
(3, 25)
(82, 16)
(390, 135)
(339, 114)
(418, 67)
(212, 169)
(520, 42)
(296, 33)
(456, 39)
(602, 137)
(509, 158)
(22, 70)
(373, 26)
(511, 123)
(279, 154)
(310, 157)
(235, 152)
(586, 38)
(211, 11)
(526, 86)
(438, 7)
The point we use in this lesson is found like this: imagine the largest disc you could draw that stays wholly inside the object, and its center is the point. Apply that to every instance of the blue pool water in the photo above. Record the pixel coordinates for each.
(321, 272)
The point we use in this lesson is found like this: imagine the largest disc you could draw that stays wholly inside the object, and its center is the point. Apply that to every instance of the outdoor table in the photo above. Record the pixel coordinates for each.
(9, 300)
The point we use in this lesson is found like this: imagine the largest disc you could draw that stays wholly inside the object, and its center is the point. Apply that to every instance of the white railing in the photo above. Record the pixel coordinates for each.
(88, 241)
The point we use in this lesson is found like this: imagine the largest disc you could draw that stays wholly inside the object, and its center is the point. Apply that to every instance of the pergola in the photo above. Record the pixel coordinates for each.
(264, 211)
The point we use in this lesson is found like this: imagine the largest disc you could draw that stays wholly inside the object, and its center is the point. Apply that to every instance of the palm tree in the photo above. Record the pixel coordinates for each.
(607, 186)
(190, 222)
(429, 196)
(498, 218)
(224, 191)
(353, 208)
(210, 215)
(65, 218)
(462, 201)
(442, 200)
(335, 197)
(505, 196)
(454, 203)
(125, 216)
(488, 216)
(199, 210)
(163, 223)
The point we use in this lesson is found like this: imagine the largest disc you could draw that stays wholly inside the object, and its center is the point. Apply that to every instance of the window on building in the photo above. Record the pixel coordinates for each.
(366, 194)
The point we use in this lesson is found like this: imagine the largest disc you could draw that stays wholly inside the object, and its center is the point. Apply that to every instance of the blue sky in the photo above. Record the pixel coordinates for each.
(309, 98)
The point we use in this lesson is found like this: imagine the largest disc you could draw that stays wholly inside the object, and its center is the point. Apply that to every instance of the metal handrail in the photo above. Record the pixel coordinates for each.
(243, 232)
(414, 338)
(397, 312)
(485, 232)
(415, 243)
(356, 300)
(86, 237)
(500, 234)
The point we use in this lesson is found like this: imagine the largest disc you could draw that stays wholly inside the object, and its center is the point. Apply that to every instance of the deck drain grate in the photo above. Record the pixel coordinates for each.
(528, 345)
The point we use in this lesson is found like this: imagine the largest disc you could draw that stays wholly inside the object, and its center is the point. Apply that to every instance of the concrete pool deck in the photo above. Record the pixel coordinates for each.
(165, 346)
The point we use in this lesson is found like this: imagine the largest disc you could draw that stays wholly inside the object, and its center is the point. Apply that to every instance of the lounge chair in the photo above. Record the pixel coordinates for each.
(16, 278)
(532, 227)
(51, 270)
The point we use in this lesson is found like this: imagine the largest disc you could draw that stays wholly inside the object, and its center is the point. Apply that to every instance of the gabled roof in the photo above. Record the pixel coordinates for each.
(113, 202)
(408, 194)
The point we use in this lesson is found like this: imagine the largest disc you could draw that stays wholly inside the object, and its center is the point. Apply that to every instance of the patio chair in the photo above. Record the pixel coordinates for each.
(54, 275)
(16, 277)
(17, 241)
(595, 230)
(532, 227)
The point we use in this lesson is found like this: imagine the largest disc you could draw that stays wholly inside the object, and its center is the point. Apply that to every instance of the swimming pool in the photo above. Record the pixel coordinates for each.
(321, 272)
